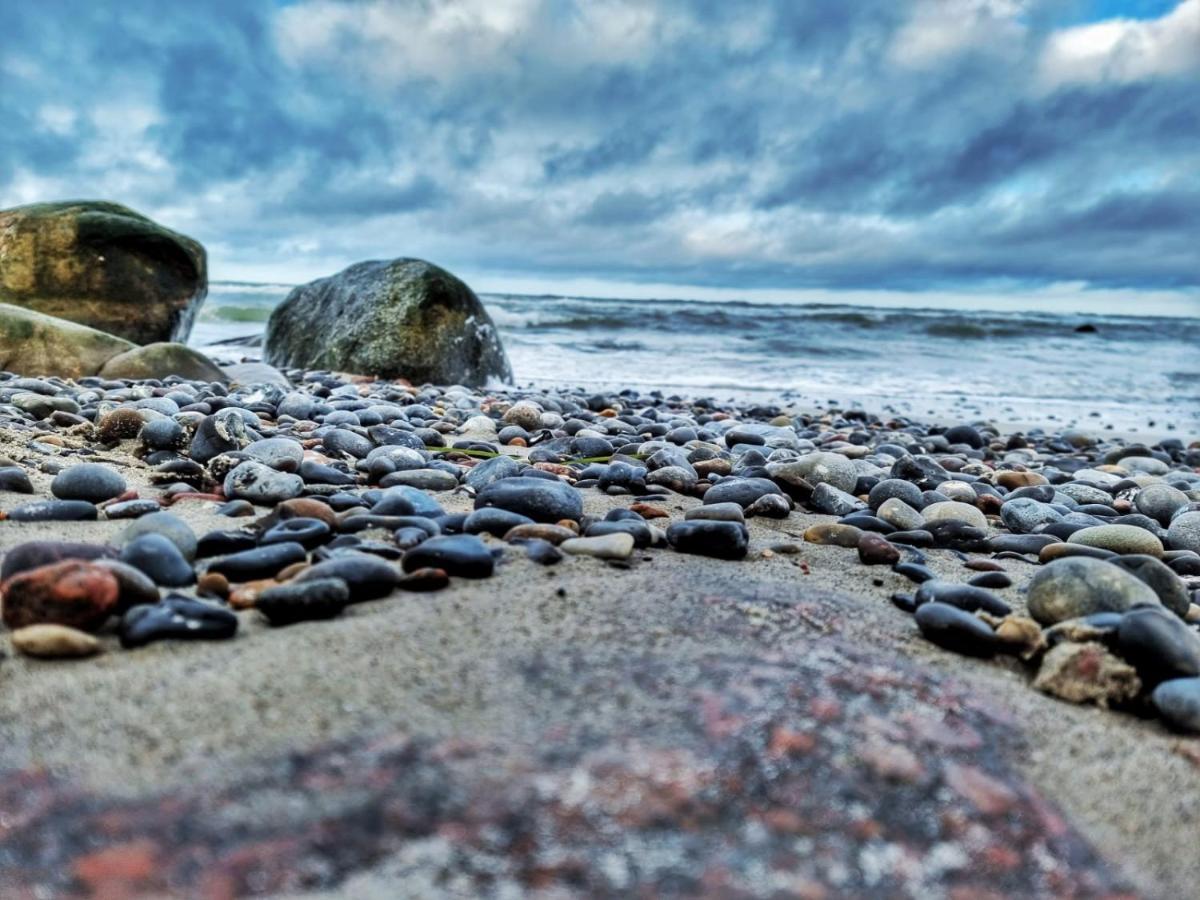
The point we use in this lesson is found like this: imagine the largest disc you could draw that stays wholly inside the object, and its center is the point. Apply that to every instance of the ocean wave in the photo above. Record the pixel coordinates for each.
(229, 313)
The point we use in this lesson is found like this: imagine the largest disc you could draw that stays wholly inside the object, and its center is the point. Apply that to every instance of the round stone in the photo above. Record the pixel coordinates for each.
(1177, 701)
(168, 525)
(1159, 502)
(825, 468)
(92, 482)
(1159, 645)
(464, 555)
(538, 498)
(157, 557)
(1077, 586)
(1184, 532)
(953, 510)
(723, 540)
(302, 601)
(957, 630)
(259, 483)
(617, 545)
(54, 642)
(899, 514)
(1118, 539)
(282, 454)
(1024, 514)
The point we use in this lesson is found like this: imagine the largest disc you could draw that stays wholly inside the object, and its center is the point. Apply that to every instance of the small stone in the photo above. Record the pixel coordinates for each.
(770, 506)
(994, 580)
(261, 484)
(963, 596)
(742, 491)
(899, 514)
(131, 509)
(717, 512)
(1075, 587)
(957, 630)
(608, 546)
(1160, 501)
(32, 554)
(820, 468)
(15, 480)
(368, 577)
(723, 540)
(832, 501)
(301, 601)
(1023, 515)
(72, 592)
(1170, 588)
(54, 511)
(1178, 702)
(176, 618)
(875, 549)
(553, 534)
(213, 584)
(1086, 673)
(1119, 539)
(158, 558)
(1159, 645)
(310, 533)
(538, 498)
(952, 510)
(832, 533)
(464, 555)
(524, 414)
(1184, 532)
(170, 526)
(55, 642)
(262, 562)
(427, 579)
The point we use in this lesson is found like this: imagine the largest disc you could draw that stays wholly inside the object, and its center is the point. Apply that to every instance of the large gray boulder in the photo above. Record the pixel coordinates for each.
(102, 265)
(403, 318)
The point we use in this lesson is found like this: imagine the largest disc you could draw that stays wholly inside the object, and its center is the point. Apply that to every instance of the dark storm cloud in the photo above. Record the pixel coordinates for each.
(777, 144)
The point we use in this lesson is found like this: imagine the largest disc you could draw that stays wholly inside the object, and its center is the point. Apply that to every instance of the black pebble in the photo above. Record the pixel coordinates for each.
(176, 618)
(464, 555)
(300, 601)
(154, 555)
(54, 511)
(990, 580)
(955, 629)
(722, 540)
(963, 596)
(261, 562)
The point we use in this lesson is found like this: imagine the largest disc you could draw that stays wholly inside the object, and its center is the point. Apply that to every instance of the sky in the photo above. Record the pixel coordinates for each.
(1042, 149)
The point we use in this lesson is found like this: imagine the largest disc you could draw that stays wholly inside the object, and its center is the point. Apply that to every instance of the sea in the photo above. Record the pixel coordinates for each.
(1137, 376)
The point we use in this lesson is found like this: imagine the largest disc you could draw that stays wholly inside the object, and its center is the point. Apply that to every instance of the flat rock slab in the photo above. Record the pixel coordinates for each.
(840, 772)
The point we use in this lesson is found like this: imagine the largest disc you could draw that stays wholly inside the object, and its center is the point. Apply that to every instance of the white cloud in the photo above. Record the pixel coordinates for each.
(940, 29)
(1124, 50)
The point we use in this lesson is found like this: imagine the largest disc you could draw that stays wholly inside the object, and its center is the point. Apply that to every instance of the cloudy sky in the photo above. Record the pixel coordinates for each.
(1033, 147)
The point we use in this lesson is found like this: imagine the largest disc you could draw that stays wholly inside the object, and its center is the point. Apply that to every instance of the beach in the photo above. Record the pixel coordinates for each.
(650, 720)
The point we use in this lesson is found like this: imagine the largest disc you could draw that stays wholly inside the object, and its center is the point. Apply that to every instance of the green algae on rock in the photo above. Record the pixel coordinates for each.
(161, 359)
(102, 265)
(36, 344)
(403, 318)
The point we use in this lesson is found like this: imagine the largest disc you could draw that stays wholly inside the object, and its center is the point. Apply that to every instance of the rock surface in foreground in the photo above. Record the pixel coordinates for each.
(102, 265)
(400, 319)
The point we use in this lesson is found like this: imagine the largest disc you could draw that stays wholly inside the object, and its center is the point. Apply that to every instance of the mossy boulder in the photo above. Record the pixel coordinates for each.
(102, 265)
(160, 360)
(403, 318)
(34, 344)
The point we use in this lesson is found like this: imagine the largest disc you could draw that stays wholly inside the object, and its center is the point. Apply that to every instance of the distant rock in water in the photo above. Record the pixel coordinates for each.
(34, 344)
(1085, 328)
(102, 265)
(400, 319)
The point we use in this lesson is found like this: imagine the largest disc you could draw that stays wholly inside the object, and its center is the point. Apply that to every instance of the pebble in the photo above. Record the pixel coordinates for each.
(464, 555)
(54, 511)
(131, 509)
(168, 525)
(830, 500)
(1159, 645)
(608, 546)
(158, 558)
(719, 512)
(1171, 591)
(820, 468)
(1086, 673)
(722, 540)
(538, 499)
(73, 592)
(367, 576)
(1184, 532)
(176, 618)
(876, 550)
(302, 601)
(1178, 702)
(1024, 515)
(957, 630)
(1160, 501)
(742, 491)
(899, 514)
(32, 554)
(423, 580)
(833, 533)
(15, 480)
(553, 534)
(261, 562)
(1075, 587)
(55, 642)
(953, 510)
(996, 580)
(260, 484)
(1119, 539)
(309, 533)
(963, 596)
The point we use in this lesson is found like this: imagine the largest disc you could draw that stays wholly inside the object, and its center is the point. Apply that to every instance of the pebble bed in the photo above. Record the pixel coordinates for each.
(331, 486)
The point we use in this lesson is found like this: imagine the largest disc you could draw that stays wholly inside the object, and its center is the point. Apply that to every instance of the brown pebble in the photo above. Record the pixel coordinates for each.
(244, 596)
(72, 592)
(287, 573)
(54, 642)
(214, 584)
(426, 579)
(307, 508)
(979, 564)
(838, 535)
(650, 511)
(876, 550)
(118, 425)
(1013, 480)
(768, 554)
(1061, 549)
(555, 534)
(706, 467)
(569, 524)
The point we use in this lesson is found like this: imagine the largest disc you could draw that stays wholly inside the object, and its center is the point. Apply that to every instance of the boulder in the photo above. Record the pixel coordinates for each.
(160, 360)
(102, 265)
(400, 319)
(34, 344)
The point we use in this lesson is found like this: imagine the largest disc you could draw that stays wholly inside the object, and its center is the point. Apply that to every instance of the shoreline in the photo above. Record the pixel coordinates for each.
(614, 663)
